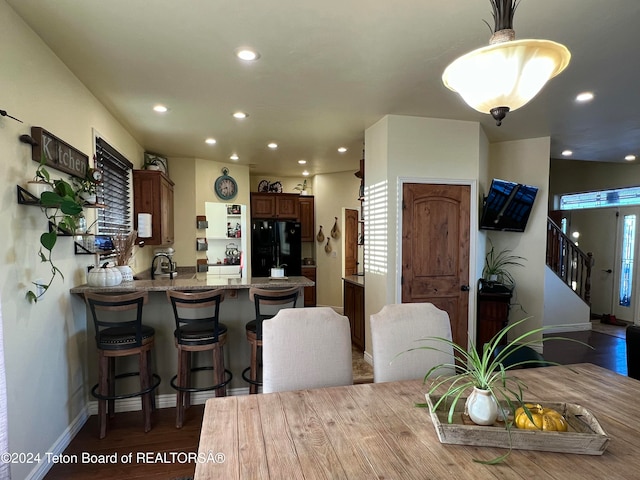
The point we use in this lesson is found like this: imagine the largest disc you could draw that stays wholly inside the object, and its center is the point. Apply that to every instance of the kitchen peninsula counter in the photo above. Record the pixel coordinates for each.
(235, 311)
(194, 281)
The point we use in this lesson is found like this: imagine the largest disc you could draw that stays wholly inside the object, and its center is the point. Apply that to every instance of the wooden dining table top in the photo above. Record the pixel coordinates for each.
(375, 431)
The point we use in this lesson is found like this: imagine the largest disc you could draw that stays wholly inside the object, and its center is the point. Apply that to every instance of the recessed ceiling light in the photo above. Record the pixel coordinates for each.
(630, 158)
(160, 108)
(272, 145)
(247, 54)
(585, 97)
(567, 153)
(234, 157)
(342, 149)
(305, 173)
(240, 115)
(302, 162)
(210, 141)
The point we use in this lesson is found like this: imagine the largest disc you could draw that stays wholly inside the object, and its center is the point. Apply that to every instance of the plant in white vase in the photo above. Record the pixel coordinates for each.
(482, 379)
(123, 244)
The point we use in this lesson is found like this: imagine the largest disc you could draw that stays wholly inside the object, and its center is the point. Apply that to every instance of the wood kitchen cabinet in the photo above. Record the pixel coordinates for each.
(281, 206)
(309, 292)
(153, 193)
(307, 218)
(354, 310)
(493, 315)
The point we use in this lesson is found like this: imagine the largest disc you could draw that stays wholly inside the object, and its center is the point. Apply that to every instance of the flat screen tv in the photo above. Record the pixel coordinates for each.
(507, 206)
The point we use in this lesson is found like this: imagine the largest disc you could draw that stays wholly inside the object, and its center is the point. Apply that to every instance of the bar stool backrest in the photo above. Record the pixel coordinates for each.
(280, 298)
(196, 308)
(121, 304)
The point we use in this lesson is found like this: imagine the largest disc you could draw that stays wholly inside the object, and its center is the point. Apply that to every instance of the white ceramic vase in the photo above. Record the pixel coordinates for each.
(481, 407)
(126, 272)
(37, 188)
(88, 197)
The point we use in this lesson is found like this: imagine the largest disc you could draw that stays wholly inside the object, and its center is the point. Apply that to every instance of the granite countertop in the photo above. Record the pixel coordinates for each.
(187, 279)
(355, 279)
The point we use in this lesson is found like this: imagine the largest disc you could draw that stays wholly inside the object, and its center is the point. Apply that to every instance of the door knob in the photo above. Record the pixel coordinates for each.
(464, 288)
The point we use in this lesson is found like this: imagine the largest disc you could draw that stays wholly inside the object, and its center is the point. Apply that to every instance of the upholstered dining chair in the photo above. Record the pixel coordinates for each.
(306, 348)
(396, 329)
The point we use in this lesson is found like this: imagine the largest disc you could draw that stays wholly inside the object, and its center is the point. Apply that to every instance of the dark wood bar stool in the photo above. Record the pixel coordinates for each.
(120, 333)
(267, 303)
(198, 329)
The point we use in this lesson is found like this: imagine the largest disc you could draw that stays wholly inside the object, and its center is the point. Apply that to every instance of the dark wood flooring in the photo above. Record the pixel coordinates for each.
(126, 434)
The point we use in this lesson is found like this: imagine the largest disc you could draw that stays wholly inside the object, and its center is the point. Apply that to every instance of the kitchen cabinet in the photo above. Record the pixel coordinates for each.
(354, 310)
(309, 292)
(153, 193)
(493, 315)
(307, 218)
(282, 206)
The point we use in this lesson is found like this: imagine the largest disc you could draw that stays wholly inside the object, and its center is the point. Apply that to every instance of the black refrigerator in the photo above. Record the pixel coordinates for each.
(275, 242)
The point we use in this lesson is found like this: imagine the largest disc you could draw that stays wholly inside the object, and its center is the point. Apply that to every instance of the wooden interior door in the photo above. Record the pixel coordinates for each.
(435, 250)
(350, 242)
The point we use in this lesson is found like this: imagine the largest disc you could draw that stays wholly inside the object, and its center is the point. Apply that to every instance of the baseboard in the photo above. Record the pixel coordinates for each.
(166, 400)
(368, 358)
(60, 444)
(572, 327)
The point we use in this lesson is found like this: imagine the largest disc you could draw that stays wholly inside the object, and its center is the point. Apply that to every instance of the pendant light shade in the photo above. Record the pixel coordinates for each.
(507, 74)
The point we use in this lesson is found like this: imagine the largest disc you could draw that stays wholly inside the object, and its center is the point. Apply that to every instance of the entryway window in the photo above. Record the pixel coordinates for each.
(601, 198)
(626, 266)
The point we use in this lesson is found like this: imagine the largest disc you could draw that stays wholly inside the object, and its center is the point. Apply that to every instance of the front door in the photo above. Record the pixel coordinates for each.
(625, 293)
(435, 250)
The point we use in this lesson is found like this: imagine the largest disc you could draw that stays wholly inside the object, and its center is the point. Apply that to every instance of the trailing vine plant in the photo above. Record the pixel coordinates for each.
(62, 209)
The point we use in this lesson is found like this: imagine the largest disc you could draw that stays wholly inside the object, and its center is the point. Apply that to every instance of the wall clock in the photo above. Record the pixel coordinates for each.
(225, 186)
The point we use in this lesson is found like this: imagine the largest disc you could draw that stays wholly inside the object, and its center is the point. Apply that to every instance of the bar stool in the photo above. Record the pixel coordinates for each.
(121, 337)
(261, 297)
(198, 329)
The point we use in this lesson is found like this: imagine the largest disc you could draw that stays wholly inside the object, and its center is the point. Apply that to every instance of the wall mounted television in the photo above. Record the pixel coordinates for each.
(507, 206)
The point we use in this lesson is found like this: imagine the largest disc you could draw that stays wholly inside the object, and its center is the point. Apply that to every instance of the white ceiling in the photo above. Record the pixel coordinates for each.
(329, 69)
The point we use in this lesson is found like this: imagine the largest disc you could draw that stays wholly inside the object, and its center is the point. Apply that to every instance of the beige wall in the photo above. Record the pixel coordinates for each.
(526, 161)
(333, 193)
(45, 343)
(402, 148)
(425, 149)
(194, 186)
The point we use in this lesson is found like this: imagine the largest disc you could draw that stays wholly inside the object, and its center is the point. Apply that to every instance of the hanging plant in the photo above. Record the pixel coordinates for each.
(62, 211)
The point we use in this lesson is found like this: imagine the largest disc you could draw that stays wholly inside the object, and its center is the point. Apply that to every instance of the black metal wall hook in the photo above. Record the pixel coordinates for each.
(5, 114)
(28, 139)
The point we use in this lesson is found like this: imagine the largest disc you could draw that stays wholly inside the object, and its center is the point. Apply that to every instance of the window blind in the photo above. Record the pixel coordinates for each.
(114, 191)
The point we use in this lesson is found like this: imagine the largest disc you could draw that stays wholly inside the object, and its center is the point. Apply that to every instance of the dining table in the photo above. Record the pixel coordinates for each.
(376, 430)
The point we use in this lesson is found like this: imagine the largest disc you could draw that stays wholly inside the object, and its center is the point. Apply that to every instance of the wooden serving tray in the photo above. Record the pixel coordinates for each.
(585, 435)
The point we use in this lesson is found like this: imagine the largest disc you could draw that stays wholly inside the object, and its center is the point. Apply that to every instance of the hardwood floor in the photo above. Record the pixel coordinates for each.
(160, 454)
(125, 434)
(608, 351)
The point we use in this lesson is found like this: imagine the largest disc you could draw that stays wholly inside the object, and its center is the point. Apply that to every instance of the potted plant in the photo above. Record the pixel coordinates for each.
(497, 265)
(278, 270)
(483, 379)
(41, 181)
(63, 212)
(151, 163)
(86, 188)
(123, 244)
(302, 187)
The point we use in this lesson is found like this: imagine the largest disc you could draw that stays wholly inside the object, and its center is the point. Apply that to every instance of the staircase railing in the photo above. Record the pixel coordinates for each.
(570, 263)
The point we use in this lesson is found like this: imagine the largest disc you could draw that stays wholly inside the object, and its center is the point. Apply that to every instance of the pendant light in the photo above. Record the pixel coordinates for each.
(507, 74)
